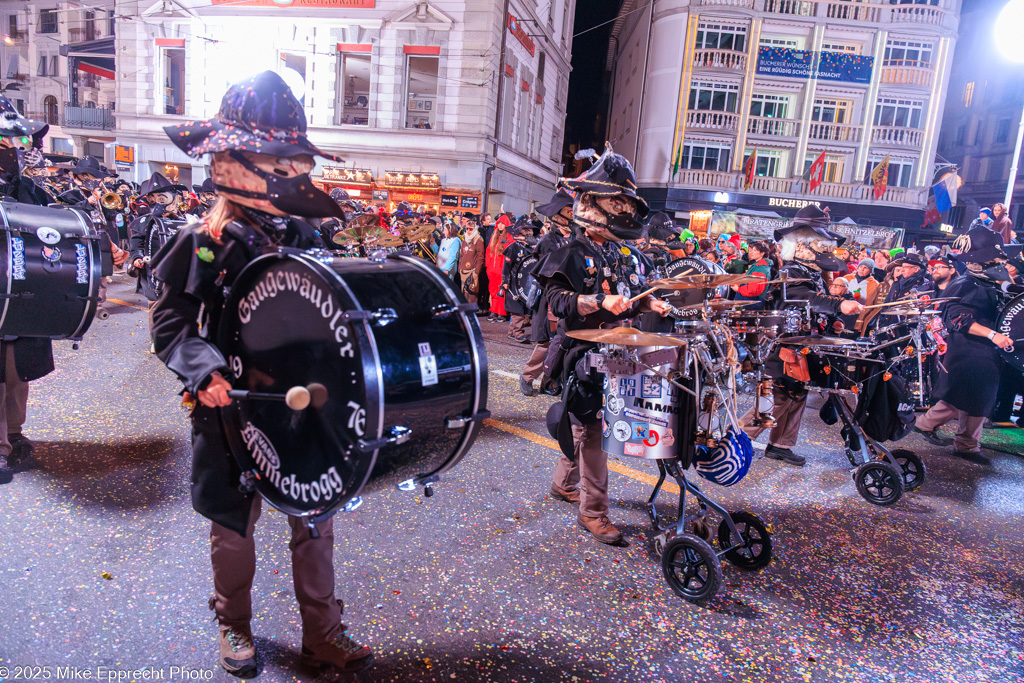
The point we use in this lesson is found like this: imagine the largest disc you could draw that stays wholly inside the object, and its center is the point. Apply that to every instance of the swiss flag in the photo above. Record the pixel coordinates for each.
(816, 171)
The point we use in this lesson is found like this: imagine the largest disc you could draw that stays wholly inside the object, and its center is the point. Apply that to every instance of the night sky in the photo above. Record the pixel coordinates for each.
(588, 98)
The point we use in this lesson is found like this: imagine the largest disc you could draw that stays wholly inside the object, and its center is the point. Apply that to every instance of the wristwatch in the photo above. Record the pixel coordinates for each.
(600, 299)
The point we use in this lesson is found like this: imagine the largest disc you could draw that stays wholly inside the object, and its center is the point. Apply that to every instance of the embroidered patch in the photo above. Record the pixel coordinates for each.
(204, 254)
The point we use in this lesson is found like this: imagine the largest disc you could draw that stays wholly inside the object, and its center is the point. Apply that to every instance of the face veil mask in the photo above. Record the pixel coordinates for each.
(624, 227)
(295, 196)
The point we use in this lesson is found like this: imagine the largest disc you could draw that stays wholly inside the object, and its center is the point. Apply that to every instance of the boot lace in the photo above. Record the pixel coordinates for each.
(346, 644)
(238, 640)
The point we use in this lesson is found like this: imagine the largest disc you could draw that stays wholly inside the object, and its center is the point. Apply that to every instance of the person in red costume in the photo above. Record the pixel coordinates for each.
(494, 261)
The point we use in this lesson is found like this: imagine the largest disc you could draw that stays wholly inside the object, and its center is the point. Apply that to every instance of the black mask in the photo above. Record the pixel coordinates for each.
(622, 226)
(997, 272)
(296, 196)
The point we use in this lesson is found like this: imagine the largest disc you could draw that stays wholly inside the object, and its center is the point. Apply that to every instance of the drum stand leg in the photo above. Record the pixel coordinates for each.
(868, 448)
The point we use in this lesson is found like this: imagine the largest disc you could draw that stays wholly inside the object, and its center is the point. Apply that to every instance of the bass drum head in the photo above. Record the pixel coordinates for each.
(522, 281)
(1011, 323)
(283, 327)
(691, 298)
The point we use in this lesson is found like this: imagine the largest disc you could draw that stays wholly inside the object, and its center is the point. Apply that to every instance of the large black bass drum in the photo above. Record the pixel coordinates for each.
(395, 366)
(523, 287)
(160, 233)
(1011, 323)
(51, 271)
(693, 299)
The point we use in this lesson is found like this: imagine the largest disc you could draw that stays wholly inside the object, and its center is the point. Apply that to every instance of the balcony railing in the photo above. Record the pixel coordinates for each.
(719, 120)
(894, 135)
(907, 72)
(918, 14)
(702, 178)
(738, 4)
(50, 117)
(719, 59)
(764, 125)
(795, 7)
(797, 187)
(93, 118)
(854, 11)
(833, 132)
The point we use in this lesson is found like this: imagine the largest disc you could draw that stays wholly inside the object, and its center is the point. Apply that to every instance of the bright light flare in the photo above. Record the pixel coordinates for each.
(1008, 30)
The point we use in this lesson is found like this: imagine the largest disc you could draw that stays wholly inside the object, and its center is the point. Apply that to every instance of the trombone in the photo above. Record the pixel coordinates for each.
(112, 201)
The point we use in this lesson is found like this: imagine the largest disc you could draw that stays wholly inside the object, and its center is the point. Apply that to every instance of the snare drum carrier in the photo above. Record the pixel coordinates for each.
(397, 359)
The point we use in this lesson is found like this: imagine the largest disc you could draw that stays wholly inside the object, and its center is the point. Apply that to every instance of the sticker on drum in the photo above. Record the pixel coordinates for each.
(428, 371)
(621, 431)
(48, 235)
(650, 386)
(636, 449)
(640, 430)
(51, 254)
(17, 258)
(613, 403)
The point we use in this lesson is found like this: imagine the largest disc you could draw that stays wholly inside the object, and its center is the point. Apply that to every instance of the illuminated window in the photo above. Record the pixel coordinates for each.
(900, 170)
(899, 113)
(713, 97)
(421, 93)
(705, 156)
(771, 106)
(907, 53)
(721, 37)
(968, 94)
(353, 91)
(833, 169)
(173, 80)
(769, 163)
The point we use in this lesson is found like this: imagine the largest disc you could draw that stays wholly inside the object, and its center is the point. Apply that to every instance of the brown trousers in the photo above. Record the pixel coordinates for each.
(234, 568)
(467, 277)
(517, 325)
(787, 413)
(13, 399)
(968, 431)
(535, 366)
(589, 472)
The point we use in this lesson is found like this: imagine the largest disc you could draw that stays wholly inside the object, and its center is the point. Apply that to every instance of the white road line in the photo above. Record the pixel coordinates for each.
(502, 373)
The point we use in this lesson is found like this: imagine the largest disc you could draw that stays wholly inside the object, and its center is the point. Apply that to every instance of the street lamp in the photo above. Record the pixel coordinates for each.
(1008, 29)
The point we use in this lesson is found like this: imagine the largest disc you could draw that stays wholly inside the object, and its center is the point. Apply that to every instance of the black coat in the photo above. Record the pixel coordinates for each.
(905, 287)
(195, 271)
(138, 236)
(513, 253)
(540, 331)
(972, 362)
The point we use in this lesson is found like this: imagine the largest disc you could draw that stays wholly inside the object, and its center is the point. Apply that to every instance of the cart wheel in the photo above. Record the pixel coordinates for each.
(913, 468)
(659, 543)
(756, 551)
(102, 315)
(700, 527)
(879, 483)
(691, 568)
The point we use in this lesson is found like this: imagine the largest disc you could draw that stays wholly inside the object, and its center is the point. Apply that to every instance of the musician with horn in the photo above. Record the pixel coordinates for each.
(261, 159)
(585, 287)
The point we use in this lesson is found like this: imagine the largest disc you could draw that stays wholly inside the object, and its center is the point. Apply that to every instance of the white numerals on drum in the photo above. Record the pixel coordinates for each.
(236, 366)
(357, 420)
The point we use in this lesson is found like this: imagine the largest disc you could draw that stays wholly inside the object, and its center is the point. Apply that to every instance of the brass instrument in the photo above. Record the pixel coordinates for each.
(112, 201)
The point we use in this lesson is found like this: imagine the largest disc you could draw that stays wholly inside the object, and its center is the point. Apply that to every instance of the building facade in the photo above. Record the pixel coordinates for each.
(427, 102)
(701, 85)
(57, 61)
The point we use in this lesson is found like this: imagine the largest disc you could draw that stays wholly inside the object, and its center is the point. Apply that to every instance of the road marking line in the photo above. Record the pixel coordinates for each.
(502, 373)
(129, 305)
(552, 444)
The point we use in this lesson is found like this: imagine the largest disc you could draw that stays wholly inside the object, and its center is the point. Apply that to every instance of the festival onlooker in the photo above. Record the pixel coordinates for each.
(1001, 222)
(759, 267)
(495, 261)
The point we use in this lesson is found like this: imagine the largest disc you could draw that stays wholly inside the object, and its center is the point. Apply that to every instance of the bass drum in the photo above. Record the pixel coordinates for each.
(1011, 323)
(51, 258)
(693, 298)
(160, 233)
(394, 360)
(522, 285)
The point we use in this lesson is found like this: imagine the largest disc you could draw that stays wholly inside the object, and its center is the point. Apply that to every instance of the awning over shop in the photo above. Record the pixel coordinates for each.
(94, 57)
(760, 227)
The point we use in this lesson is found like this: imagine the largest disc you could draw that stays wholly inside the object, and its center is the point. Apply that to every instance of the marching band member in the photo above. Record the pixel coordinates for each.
(260, 167)
(165, 198)
(521, 232)
(584, 287)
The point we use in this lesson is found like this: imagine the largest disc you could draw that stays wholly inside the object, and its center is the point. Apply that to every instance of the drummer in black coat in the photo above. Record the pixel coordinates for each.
(805, 249)
(521, 247)
(972, 360)
(585, 288)
(165, 198)
(261, 163)
(559, 210)
(24, 359)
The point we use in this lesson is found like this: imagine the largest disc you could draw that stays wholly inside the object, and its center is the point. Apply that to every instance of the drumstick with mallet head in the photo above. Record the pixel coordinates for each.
(296, 398)
(655, 289)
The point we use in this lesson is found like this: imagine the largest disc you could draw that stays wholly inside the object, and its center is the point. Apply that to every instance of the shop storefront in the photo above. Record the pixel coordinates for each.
(358, 182)
(421, 190)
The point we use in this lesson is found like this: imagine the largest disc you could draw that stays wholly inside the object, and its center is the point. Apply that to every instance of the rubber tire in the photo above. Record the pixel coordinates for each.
(764, 537)
(890, 477)
(696, 553)
(912, 479)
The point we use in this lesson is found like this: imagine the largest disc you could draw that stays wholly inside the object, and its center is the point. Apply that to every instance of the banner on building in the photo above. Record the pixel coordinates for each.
(761, 227)
(827, 66)
(880, 177)
(311, 4)
(816, 172)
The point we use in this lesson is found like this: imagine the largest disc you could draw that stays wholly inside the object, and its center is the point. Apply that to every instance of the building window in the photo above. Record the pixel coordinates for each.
(781, 41)
(421, 91)
(968, 94)
(907, 53)
(173, 80)
(50, 111)
(721, 37)
(541, 63)
(1003, 130)
(833, 170)
(899, 113)
(769, 106)
(90, 26)
(352, 104)
(713, 97)
(979, 133)
(900, 170)
(849, 48)
(768, 163)
(831, 111)
(54, 66)
(41, 68)
(705, 156)
(961, 134)
(48, 21)
(998, 168)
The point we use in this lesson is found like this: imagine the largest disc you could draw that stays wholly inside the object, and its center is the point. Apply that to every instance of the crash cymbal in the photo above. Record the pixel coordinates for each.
(787, 281)
(723, 304)
(626, 336)
(704, 281)
(345, 238)
(416, 234)
(387, 240)
(816, 341)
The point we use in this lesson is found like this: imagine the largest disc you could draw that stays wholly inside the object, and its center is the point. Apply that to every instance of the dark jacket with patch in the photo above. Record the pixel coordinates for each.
(195, 271)
(540, 332)
(972, 362)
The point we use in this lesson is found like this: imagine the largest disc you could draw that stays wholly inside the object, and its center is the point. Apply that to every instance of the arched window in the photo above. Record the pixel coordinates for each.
(50, 110)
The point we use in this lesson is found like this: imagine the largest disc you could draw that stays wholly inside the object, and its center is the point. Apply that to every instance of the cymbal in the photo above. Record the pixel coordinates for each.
(387, 240)
(704, 281)
(417, 234)
(787, 280)
(626, 336)
(905, 310)
(722, 304)
(816, 341)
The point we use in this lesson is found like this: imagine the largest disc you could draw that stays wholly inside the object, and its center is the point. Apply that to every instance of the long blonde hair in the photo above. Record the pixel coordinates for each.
(223, 211)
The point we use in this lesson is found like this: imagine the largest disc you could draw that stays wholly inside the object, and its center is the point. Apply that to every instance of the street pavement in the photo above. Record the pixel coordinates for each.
(105, 565)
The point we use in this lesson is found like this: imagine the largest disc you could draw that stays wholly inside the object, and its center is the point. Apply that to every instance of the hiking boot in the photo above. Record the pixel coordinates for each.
(601, 528)
(785, 455)
(342, 653)
(526, 387)
(568, 495)
(237, 652)
(21, 449)
(973, 456)
(933, 438)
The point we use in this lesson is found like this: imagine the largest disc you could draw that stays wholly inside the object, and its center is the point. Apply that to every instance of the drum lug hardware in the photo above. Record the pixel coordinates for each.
(380, 317)
(445, 310)
(395, 436)
(463, 420)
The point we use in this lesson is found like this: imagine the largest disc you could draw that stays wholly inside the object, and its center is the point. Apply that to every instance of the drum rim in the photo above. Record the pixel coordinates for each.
(230, 413)
(477, 352)
(10, 270)
(90, 310)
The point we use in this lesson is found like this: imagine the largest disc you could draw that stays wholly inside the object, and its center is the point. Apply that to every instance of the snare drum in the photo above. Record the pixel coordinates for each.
(52, 260)
(777, 322)
(399, 355)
